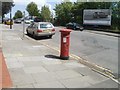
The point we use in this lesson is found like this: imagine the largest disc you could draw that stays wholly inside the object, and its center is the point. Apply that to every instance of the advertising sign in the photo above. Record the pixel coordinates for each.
(97, 17)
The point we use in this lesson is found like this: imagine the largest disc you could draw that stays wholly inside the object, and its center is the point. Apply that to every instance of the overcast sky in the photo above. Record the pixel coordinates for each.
(21, 5)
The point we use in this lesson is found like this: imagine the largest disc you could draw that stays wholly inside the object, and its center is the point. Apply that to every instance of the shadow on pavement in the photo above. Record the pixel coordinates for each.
(39, 38)
(52, 56)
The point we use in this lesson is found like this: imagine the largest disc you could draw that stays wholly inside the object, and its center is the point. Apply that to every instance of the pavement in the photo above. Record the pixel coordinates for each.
(33, 65)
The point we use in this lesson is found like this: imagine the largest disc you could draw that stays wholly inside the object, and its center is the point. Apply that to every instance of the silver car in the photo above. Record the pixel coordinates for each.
(41, 29)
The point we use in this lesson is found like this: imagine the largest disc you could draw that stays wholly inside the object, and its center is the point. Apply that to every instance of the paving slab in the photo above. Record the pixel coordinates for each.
(53, 68)
(12, 60)
(49, 61)
(11, 55)
(15, 65)
(32, 63)
(88, 72)
(25, 86)
(92, 80)
(19, 77)
(105, 84)
(74, 64)
(22, 59)
(65, 74)
(44, 77)
(76, 82)
(12, 38)
(54, 84)
(35, 69)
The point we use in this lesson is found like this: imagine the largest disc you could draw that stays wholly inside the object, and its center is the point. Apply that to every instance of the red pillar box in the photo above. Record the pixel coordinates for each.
(65, 43)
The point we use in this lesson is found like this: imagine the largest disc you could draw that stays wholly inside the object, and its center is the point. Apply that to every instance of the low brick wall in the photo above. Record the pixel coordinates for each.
(5, 80)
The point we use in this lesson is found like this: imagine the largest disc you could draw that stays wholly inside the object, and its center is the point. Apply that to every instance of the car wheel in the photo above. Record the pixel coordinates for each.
(34, 36)
(27, 32)
(74, 28)
(81, 29)
(50, 36)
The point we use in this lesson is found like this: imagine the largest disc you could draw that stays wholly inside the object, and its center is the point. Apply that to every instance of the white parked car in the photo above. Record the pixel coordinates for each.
(28, 21)
(41, 29)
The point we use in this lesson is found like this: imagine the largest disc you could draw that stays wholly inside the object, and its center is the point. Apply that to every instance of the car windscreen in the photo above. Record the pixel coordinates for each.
(45, 26)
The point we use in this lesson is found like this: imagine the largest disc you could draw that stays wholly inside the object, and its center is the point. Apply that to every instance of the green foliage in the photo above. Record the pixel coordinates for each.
(116, 16)
(6, 7)
(18, 14)
(63, 12)
(45, 13)
(40, 16)
(32, 9)
(68, 12)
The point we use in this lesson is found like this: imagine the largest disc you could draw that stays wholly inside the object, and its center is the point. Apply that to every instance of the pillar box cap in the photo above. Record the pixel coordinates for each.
(66, 30)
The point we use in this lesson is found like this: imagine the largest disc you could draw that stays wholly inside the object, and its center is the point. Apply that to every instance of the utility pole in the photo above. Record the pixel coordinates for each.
(10, 18)
(23, 23)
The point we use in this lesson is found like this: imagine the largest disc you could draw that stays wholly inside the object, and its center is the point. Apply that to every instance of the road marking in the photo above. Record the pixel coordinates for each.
(103, 34)
(106, 72)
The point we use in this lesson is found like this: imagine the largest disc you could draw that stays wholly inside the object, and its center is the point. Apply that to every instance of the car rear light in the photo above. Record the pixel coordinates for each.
(39, 30)
(53, 29)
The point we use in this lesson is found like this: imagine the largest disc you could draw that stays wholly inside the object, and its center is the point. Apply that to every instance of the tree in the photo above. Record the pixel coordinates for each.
(18, 14)
(63, 13)
(6, 7)
(45, 13)
(66, 11)
(32, 9)
(116, 15)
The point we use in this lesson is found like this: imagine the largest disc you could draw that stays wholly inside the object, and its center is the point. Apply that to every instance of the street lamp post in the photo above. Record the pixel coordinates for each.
(23, 23)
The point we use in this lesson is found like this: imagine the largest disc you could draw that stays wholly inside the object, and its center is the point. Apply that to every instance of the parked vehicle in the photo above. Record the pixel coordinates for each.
(41, 29)
(8, 22)
(0, 20)
(28, 21)
(18, 20)
(74, 26)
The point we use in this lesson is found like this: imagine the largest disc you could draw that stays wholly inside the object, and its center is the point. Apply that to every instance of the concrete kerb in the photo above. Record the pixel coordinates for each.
(104, 71)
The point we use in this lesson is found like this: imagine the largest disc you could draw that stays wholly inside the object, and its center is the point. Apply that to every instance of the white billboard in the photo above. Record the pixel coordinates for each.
(97, 17)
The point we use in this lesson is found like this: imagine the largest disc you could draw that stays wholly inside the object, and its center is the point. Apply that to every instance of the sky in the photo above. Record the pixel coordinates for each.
(21, 5)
